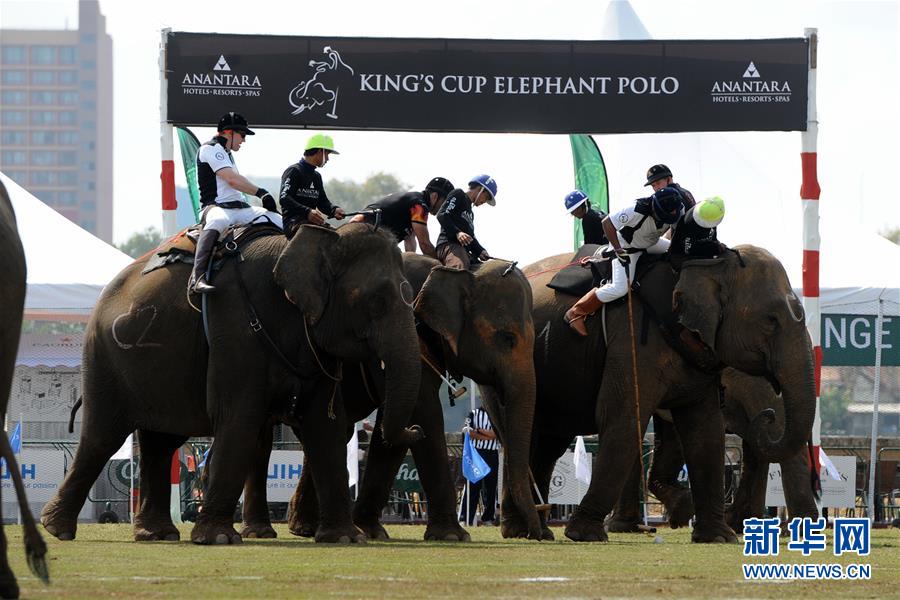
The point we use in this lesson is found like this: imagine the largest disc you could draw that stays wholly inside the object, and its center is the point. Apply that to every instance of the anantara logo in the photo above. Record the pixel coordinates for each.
(220, 80)
(751, 88)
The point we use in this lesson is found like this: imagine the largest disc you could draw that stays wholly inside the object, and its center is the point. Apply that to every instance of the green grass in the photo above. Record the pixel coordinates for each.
(105, 562)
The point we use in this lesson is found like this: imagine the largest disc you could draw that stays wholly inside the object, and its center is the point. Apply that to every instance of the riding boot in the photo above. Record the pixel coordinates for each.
(202, 256)
(588, 305)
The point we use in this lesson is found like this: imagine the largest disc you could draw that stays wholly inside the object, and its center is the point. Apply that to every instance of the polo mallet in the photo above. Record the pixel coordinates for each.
(509, 269)
(637, 403)
(455, 392)
(542, 507)
(374, 211)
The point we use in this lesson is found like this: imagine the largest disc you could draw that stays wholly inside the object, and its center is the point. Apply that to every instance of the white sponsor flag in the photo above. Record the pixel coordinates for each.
(582, 461)
(125, 452)
(353, 459)
(830, 469)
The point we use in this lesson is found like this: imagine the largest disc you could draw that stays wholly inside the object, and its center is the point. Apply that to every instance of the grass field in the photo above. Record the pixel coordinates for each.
(105, 562)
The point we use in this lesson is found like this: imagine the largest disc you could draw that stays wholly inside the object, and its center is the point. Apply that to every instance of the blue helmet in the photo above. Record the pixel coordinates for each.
(574, 200)
(488, 183)
(668, 204)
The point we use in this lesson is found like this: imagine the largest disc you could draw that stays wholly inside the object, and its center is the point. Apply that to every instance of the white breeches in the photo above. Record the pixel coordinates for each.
(219, 218)
(618, 287)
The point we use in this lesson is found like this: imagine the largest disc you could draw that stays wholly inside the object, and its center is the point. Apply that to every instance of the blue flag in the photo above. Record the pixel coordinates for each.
(205, 456)
(473, 466)
(15, 440)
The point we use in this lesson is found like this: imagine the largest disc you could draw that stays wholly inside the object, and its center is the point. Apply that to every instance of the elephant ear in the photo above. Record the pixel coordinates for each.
(698, 300)
(442, 302)
(304, 269)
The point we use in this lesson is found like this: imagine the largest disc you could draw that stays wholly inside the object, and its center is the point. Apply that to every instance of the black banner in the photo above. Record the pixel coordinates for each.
(489, 85)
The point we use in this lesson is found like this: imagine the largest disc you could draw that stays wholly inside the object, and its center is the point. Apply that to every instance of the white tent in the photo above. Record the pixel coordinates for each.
(67, 266)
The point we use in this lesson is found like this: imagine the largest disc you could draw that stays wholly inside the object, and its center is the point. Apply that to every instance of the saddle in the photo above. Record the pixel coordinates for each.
(578, 280)
(181, 246)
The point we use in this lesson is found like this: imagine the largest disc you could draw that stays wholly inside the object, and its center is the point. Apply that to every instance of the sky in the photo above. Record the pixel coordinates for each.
(758, 174)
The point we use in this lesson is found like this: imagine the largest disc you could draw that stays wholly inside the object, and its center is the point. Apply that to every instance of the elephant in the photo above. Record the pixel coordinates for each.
(285, 316)
(474, 324)
(12, 304)
(744, 397)
(735, 310)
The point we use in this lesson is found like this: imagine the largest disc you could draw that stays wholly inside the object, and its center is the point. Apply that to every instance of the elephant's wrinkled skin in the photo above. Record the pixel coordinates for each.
(745, 397)
(12, 302)
(484, 320)
(740, 311)
(146, 367)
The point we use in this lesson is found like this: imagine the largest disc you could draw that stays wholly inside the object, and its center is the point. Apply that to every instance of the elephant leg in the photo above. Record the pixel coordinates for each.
(798, 492)
(668, 459)
(153, 521)
(256, 520)
(701, 428)
(98, 442)
(433, 466)
(325, 444)
(382, 464)
(236, 432)
(9, 587)
(303, 510)
(545, 451)
(626, 518)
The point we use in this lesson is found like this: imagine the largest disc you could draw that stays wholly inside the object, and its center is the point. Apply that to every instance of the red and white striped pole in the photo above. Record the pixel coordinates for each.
(167, 146)
(175, 481)
(809, 195)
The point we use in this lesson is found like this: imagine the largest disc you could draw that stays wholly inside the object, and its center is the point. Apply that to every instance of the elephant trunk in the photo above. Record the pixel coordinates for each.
(514, 422)
(402, 366)
(795, 376)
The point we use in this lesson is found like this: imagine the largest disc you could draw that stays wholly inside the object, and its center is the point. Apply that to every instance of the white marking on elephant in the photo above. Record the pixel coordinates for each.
(406, 291)
(140, 343)
(545, 334)
(791, 299)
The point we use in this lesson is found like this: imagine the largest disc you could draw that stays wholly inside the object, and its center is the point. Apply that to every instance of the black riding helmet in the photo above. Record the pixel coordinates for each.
(440, 185)
(668, 204)
(236, 122)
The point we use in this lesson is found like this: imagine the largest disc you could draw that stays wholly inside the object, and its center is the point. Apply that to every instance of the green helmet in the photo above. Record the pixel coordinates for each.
(710, 212)
(320, 140)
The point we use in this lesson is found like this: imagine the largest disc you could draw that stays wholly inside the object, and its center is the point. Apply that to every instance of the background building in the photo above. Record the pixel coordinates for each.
(56, 107)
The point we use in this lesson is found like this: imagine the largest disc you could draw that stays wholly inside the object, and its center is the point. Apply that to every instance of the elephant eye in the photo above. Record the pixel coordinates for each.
(505, 339)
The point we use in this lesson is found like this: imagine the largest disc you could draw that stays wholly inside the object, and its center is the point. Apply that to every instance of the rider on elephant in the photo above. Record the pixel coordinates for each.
(457, 247)
(660, 176)
(631, 232)
(220, 194)
(695, 232)
(579, 206)
(406, 214)
(303, 198)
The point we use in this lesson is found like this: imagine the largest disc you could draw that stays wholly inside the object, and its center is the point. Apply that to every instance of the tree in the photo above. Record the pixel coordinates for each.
(141, 242)
(833, 405)
(353, 196)
(892, 234)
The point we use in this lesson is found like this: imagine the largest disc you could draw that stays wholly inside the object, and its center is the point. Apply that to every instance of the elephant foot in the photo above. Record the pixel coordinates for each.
(155, 532)
(581, 529)
(446, 532)
(208, 534)
(303, 529)
(623, 524)
(263, 531)
(715, 534)
(60, 527)
(735, 518)
(681, 509)
(513, 527)
(340, 535)
(373, 529)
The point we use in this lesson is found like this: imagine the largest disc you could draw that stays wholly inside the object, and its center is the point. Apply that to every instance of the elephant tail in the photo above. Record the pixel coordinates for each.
(75, 408)
(814, 481)
(35, 548)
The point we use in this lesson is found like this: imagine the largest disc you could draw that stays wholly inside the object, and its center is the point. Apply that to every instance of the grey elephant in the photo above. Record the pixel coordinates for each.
(744, 398)
(474, 324)
(12, 303)
(736, 310)
(285, 317)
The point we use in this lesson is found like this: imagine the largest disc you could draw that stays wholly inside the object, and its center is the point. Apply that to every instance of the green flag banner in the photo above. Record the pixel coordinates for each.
(189, 145)
(590, 177)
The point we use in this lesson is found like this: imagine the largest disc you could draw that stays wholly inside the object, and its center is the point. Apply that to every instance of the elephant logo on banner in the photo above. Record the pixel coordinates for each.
(322, 88)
